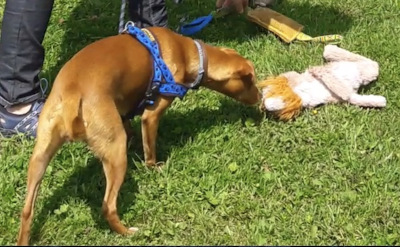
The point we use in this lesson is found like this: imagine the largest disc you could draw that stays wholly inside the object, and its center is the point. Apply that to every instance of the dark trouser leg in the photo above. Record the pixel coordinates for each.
(147, 13)
(21, 51)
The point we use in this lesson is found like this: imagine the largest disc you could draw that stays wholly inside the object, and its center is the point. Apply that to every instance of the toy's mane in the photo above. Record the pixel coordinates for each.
(278, 87)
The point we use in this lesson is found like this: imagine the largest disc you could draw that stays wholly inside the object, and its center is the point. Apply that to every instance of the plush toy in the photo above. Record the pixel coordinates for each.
(336, 81)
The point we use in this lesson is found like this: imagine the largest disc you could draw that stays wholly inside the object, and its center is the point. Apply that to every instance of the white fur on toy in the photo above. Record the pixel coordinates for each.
(336, 81)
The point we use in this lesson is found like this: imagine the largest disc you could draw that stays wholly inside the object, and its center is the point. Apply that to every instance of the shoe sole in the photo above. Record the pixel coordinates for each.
(7, 133)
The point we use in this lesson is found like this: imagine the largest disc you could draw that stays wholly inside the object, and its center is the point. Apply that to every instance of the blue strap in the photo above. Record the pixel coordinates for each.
(173, 90)
(166, 87)
(169, 88)
(196, 25)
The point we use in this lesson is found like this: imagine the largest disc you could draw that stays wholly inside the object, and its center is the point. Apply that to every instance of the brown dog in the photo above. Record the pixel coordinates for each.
(106, 80)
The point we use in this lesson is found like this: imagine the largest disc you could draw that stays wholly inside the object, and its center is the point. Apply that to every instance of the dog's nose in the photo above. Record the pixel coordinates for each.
(259, 95)
(253, 98)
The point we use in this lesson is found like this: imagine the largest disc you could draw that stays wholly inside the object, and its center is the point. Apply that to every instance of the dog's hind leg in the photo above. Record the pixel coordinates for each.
(128, 129)
(107, 138)
(48, 142)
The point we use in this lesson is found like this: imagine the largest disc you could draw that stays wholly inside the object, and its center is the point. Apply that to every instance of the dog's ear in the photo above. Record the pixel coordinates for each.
(229, 51)
(247, 73)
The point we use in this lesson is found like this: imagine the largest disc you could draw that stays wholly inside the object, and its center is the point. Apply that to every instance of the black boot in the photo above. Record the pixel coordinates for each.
(261, 3)
(148, 13)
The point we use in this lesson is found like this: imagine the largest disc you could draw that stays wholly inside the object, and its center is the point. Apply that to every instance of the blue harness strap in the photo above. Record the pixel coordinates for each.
(163, 81)
(169, 88)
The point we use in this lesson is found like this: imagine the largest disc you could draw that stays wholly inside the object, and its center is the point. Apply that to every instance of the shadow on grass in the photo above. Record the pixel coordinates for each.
(177, 127)
(317, 20)
(88, 182)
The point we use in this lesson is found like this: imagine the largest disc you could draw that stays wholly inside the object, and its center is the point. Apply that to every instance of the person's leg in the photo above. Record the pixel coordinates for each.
(147, 13)
(261, 3)
(21, 59)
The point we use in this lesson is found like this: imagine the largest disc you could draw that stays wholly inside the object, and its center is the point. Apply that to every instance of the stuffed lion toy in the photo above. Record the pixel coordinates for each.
(336, 81)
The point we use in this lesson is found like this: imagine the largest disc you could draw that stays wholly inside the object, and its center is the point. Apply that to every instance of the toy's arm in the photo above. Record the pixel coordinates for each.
(325, 75)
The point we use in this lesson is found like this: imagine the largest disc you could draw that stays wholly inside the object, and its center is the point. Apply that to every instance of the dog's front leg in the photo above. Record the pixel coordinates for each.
(150, 120)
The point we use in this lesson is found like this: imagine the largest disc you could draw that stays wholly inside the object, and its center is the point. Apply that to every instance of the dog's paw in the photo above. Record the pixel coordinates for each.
(159, 166)
(132, 230)
(156, 166)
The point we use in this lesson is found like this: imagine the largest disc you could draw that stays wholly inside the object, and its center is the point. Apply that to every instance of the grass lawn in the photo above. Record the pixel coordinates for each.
(232, 176)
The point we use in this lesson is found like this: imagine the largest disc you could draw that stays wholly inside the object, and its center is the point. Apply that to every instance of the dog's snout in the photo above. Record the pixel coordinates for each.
(251, 97)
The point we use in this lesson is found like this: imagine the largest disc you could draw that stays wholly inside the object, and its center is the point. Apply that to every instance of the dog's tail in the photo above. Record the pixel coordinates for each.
(72, 116)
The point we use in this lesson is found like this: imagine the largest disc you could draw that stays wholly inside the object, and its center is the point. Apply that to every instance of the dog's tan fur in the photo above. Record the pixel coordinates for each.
(107, 79)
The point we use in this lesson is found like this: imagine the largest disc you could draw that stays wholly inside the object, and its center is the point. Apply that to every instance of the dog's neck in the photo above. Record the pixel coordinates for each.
(219, 65)
(192, 62)
(227, 73)
(202, 66)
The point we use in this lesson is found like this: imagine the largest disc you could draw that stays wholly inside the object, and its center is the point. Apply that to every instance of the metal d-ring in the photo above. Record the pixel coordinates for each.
(129, 23)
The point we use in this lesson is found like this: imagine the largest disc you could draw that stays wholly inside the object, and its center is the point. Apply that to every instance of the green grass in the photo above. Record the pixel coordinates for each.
(232, 176)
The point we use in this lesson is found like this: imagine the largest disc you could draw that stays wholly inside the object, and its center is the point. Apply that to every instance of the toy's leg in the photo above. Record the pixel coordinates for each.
(369, 71)
(368, 100)
(334, 53)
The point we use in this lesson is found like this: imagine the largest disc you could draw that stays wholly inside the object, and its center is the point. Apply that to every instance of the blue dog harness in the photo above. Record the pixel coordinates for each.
(163, 82)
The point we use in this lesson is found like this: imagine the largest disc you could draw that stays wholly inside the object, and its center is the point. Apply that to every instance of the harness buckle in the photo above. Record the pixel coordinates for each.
(153, 92)
(129, 23)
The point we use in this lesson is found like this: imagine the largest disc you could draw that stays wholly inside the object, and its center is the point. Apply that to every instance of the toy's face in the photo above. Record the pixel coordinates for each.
(279, 98)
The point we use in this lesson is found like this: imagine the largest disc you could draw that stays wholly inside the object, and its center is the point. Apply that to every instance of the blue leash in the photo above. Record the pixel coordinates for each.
(200, 23)
(196, 25)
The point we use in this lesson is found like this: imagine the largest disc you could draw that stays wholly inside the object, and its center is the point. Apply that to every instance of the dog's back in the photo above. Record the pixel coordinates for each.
(97, 74)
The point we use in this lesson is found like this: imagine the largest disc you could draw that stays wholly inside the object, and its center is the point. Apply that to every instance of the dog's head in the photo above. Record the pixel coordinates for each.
(232, 75)
(279, 99)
